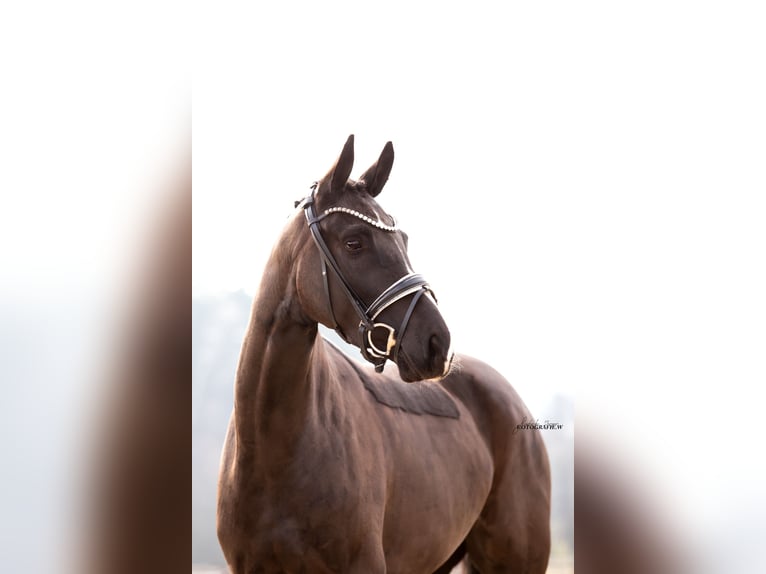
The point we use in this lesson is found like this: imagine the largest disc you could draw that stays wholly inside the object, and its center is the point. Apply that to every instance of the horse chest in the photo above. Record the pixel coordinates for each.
(287, 531)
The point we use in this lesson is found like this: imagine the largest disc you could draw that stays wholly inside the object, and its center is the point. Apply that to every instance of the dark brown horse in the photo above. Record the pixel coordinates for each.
(332, 467)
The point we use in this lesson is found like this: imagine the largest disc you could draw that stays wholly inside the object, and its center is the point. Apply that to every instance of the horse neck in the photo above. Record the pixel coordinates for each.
(275, 388)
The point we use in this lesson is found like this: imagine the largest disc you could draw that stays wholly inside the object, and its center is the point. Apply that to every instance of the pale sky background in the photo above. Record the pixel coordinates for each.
(583, 184)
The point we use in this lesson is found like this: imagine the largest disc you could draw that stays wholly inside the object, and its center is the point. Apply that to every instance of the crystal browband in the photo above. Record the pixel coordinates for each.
(362, 216)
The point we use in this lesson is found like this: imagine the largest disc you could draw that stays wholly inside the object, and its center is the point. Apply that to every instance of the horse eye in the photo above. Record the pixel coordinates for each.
(353, 245)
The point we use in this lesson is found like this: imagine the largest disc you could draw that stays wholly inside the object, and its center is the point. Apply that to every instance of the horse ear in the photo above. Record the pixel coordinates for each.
(335, 180)
(377, 175)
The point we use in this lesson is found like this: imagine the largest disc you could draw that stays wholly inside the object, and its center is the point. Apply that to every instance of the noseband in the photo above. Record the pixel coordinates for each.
(411, 284)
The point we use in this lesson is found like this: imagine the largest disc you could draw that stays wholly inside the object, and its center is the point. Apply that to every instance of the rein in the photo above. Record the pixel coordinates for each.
(412, 283)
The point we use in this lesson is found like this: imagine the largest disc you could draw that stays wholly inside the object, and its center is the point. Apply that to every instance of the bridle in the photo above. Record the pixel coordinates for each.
(411, 284)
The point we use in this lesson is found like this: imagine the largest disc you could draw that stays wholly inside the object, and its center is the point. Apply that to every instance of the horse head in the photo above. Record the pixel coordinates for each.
(355, 276)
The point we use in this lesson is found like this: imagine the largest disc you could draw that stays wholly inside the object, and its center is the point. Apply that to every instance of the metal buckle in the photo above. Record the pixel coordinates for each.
(390, 344)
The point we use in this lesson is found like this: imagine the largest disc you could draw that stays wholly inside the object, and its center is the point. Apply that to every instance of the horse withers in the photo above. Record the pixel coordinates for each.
(329, 466)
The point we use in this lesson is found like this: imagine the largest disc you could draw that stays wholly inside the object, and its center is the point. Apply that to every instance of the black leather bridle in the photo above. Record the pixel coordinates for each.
(411, 284)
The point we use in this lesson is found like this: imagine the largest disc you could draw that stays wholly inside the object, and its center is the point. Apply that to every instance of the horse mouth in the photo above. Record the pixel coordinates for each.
(449, 366)
(411, 374)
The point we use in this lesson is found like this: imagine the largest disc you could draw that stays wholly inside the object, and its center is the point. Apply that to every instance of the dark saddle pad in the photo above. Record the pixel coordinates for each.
(416, 398)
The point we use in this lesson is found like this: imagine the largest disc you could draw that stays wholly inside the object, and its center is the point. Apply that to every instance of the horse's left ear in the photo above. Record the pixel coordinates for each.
(377, 175)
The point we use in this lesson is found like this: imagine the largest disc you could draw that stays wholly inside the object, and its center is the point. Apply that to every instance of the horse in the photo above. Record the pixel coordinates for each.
(331, 466)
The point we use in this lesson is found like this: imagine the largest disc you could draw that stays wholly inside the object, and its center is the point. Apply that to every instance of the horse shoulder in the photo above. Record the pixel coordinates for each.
(498, 411)
(484, 391)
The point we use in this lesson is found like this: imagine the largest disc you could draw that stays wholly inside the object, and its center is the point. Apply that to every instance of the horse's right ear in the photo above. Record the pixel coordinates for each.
(335, 180)
(377, 175)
